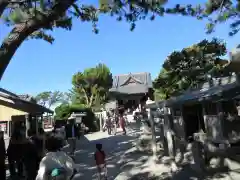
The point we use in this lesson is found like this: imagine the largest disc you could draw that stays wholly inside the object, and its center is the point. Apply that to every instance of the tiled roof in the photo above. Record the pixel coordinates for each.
(132, 83)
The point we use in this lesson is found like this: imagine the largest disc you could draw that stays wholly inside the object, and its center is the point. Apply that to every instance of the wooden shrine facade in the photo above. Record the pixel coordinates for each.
(131, 89)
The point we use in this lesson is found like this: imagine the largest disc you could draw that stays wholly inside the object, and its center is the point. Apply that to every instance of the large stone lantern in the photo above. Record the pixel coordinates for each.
(148, 102)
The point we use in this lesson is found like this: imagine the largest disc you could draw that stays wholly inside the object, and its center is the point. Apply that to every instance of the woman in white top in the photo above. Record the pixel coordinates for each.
(55, 159)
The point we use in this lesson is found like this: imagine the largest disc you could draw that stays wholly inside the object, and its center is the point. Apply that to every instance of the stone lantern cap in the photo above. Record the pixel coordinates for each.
(149, 101)
(72, 116)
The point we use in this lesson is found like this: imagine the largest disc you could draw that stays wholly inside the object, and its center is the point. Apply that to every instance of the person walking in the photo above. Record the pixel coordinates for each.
(41, 139)
(56, 164)
(108, 124)
(122, 123)
(2, 157)
(72, 134)
(114, 123)
(31, 157)
(100, 159)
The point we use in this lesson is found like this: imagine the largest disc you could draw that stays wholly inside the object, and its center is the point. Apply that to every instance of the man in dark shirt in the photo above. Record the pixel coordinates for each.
(15, 157)
(31, 156)
(72, 133)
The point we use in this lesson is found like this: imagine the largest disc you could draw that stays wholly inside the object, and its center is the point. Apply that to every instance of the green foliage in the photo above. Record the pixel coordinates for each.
(187, 68)
(132, 11)
(220, 11)
(34, 10)
(129, 11)
(68, 97)
(63, 111)
(91, 86)
(215, 12)
(49, 98)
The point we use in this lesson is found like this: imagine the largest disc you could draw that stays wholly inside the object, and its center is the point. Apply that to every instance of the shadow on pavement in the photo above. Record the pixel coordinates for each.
(114, 147)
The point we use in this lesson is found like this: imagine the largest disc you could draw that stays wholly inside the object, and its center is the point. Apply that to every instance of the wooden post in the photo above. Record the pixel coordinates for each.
(169, 133)
(36, 121)
(154, 144)
(100, 121)
(220, 118)
(204, 117)
(42, 123)
(27, 123)
(170, 138)
(9, 128)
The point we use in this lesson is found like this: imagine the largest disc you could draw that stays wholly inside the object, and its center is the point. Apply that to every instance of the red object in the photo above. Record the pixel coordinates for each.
(122, 122)
(100, 157)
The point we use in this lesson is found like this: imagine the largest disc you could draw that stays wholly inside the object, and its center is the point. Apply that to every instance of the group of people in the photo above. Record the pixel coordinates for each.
(30, 155)
(39, 156)
(113, 121)
(23, 154)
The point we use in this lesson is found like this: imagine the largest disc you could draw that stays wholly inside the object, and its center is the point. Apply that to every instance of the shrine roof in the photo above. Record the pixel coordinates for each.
(132, 83)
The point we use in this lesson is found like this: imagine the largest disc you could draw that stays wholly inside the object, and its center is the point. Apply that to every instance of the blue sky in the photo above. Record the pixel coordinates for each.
(38, 66)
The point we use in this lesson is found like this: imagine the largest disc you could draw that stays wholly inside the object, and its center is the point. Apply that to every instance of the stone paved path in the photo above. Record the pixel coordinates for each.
(114, 146)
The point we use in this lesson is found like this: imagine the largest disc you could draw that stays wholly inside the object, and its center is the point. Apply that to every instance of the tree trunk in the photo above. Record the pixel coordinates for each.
(21, 31)
(91, 100)
(85, 96)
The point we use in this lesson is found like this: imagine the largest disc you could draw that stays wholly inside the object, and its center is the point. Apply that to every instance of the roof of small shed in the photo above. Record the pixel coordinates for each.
(207, 91)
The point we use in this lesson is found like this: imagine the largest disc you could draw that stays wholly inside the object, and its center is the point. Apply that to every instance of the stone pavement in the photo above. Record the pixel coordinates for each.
(114, 147)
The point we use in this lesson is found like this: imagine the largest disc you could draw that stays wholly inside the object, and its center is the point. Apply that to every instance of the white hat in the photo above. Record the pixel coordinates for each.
(72, 117)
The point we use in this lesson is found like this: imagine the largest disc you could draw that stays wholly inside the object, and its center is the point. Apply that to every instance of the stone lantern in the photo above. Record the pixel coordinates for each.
(148, 102)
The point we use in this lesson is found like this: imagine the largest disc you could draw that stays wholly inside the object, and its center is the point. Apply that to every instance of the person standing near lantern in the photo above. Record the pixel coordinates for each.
(122, 122)
(72, 133)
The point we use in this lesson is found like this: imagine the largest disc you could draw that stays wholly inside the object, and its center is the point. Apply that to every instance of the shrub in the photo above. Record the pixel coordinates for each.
(63, 112)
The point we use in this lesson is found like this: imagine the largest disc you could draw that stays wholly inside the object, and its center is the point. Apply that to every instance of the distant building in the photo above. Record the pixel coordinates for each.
(19, 110)
(131, 90)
